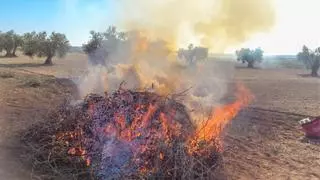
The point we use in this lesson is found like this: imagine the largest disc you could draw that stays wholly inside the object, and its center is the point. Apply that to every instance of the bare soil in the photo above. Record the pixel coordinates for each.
(263, 142)
(26, 97)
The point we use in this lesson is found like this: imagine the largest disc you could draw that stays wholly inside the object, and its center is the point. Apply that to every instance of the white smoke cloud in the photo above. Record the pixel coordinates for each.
(205, 82)
(143, 62)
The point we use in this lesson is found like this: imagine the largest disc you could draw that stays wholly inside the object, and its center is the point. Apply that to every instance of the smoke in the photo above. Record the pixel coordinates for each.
(217, 24)
(148, 61)
(141, 64)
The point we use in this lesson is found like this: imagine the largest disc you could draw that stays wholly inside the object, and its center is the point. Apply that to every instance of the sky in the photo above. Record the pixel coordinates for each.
(75, 18)
(296, 25)
(296, 21)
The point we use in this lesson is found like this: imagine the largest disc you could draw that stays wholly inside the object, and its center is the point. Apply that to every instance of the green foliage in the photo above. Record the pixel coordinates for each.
(112, 34)
(94, 43)
(9, 42)
(1, 42)
(42, 45)
(54, 45)
(102, 44)
(306, 56)
(311, 59)
(249, 56)
(31, 43)
(108, 39)
(193, 54)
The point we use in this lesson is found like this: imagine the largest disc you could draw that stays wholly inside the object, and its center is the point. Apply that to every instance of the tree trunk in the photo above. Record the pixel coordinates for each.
(315, 67)
(48, 60)
(14, 52)
(250, 64)
(314, 73)
(8, 52)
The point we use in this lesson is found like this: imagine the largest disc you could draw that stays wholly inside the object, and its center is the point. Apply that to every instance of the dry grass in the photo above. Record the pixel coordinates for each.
(72, 65)
(47, 156)
(6, 75)
(20, 107)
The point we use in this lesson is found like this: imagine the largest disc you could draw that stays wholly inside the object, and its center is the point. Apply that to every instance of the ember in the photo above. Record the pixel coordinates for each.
(131, 135)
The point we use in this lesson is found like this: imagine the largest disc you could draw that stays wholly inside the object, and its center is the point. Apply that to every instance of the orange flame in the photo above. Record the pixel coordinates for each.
(169, 126)
(147, 117)
(142, 124)
(161, 156)
(141, 45)
(140, 41)
(211, 129)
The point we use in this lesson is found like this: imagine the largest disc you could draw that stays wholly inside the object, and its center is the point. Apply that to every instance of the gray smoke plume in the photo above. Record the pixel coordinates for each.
(142, 64)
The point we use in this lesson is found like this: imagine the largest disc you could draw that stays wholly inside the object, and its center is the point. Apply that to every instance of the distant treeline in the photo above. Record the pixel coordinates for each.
(282, 57)
(76, 49)
(34, 44)
(101, 44)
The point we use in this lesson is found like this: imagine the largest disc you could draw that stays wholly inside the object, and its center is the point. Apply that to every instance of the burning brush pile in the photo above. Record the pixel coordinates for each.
(128, 135)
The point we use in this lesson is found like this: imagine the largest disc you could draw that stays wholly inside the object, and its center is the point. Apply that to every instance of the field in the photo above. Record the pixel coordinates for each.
(265, 139)
(263, 142)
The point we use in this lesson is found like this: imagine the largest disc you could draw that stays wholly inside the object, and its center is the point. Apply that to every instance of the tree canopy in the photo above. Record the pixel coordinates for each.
(9, 42)
(310, 58)
(193, 54)
(101, 44)
(34, 44)
(249, 56)
(94, 43)
(42, 45)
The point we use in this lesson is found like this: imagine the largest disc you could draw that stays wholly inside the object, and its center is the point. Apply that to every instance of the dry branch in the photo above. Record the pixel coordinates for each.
(125, 135)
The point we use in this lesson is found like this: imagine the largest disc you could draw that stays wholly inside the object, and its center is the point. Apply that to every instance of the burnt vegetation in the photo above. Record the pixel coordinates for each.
(124, 135)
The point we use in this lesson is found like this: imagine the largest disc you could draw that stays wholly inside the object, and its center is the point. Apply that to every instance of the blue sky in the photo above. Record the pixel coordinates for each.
(75, 18)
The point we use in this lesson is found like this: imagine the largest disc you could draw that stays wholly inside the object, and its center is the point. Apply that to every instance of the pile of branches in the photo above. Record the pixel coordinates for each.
(124, 135)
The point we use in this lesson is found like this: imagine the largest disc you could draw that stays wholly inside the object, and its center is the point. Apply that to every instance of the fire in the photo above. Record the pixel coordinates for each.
(144, 133)
(211, 129)
(161, 156)
(141, 44)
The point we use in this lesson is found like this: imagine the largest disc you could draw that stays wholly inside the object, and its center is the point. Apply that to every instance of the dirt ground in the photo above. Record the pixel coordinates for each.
(263, 142)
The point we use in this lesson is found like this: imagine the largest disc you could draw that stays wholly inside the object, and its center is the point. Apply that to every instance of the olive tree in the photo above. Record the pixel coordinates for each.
(9, 42)
(193, 54)
(42, 45)
(102, 44)
(1, 42)
(31, 43)
(94, 43)
(18, 42)
(249, 56)
(56, 44)
(311, 59)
